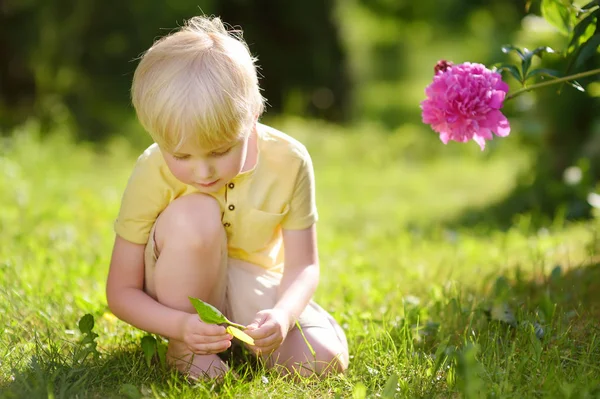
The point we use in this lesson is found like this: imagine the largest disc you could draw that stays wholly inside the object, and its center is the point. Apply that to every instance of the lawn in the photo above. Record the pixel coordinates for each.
(420, 295)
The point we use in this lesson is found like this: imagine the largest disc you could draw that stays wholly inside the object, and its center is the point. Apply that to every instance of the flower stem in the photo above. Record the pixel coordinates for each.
(552, 82)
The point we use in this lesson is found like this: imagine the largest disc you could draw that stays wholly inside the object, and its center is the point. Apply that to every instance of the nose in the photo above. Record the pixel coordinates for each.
(203, 170)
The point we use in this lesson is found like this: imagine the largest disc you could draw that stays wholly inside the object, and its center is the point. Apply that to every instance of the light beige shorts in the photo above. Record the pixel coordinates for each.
(244, 289)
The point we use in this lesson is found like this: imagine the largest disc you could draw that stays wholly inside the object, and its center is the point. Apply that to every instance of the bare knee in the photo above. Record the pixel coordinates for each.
(191, 221)
(330, 355)
(330, 360)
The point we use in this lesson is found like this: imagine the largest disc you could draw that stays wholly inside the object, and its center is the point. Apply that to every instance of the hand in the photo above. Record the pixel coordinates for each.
(202, 338)
(269, 329)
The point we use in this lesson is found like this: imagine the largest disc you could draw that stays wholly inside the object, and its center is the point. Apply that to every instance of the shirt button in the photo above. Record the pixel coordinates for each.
(231, 207)
(231, 185)
(226, 224)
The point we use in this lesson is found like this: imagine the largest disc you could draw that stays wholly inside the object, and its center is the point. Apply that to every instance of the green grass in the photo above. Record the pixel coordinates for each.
(407, 282)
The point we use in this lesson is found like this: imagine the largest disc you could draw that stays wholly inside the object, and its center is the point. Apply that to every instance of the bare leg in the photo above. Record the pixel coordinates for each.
(192, 262)
(329, 344)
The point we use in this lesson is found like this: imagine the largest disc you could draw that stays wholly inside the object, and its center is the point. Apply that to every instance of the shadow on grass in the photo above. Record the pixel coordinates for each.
(574, 292)
(543, 202)
(113, 374)
(546, 341)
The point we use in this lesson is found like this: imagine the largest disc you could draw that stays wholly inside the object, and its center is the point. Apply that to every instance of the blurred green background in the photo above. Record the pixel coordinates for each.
(67, 66)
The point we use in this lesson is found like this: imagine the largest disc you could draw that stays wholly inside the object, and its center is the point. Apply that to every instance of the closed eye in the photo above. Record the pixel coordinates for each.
(180, 157)
(220, 153)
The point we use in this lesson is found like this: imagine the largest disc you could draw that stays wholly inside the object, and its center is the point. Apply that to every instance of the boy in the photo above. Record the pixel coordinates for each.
(221, 208)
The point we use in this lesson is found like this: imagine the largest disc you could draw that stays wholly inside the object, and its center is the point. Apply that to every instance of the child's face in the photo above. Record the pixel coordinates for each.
(207, 169)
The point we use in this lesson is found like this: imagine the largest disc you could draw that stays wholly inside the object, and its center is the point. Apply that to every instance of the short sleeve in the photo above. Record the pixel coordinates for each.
(302, 212)
(145, 197)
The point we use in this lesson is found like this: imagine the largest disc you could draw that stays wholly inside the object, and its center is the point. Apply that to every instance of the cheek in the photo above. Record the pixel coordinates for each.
(232, 164)
(179, 170)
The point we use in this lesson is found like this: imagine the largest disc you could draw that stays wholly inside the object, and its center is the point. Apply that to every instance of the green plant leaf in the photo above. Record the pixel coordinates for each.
(86, 323)
(587, 50)
(553, 73)
(591, 4)
(557, 14)
(513, 70)
(130, 391)
(576, 86)
(208, 313)
(509, 47)
(161, 349)
(441, 355)
(149, 348)
(528, 57)
(556, 274)
(211, 315)
(359, 391)
(239, 334)
(581, 29)
(391, 385)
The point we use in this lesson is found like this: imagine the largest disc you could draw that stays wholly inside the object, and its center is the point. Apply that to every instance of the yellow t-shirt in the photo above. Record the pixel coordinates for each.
(278, 193)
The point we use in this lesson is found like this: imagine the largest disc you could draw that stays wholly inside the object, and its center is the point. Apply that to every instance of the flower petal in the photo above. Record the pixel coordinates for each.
(498, 123)
(479, 140)
(485, 133)
(445, 137)
(497, 99)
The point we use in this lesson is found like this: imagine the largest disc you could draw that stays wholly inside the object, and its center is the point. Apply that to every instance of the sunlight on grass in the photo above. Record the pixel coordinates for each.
(407, 281)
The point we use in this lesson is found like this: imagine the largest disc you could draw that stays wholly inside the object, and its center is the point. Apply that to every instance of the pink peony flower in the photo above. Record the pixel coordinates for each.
(463, 103)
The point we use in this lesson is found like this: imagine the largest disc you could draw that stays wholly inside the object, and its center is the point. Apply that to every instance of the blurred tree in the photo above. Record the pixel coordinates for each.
(72, 63)
(300, 53)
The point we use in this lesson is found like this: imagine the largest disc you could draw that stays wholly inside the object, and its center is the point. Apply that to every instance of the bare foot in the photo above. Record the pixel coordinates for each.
(196, 367)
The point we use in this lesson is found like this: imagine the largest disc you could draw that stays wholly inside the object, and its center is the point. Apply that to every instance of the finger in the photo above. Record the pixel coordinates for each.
(213, 329)
(207, 339)
(272, 341)
(213, 347)
(263, 331)
(259, 319)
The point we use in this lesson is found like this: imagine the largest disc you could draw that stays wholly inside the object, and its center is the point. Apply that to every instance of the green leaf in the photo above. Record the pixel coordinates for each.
(557, 14)
(211, 315)
(509, 47)
(149, 348)
(513, 70)
(587, 50)
(391, 385)
(556, 274)
(441, 356)
(553, 73)
(591, 4)
(359, 391)
(576, 86)
(581, 29)
(130, 391)
(208, 313)
(86, 323)
(526, 63)
(161, 349)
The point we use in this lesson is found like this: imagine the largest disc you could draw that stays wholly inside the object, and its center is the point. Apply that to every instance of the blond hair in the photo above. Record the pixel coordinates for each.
(199, 84)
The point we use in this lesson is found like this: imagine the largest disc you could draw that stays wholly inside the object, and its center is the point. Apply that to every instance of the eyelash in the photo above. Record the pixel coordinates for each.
(218, 154)
(214, 154)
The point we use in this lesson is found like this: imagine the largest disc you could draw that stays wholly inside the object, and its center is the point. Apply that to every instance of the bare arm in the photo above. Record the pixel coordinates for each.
(301, 272)
(127, 300)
